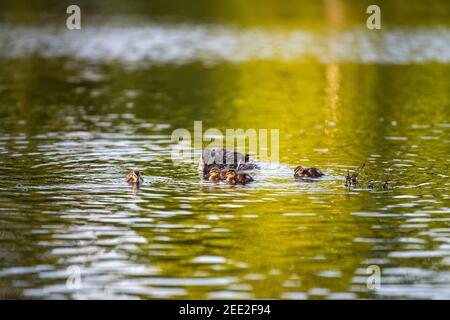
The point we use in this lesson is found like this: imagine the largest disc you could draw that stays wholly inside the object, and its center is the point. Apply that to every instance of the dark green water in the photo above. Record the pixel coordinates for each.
(77, 115)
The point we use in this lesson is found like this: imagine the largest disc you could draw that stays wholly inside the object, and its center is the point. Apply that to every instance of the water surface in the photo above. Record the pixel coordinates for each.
(76, 116)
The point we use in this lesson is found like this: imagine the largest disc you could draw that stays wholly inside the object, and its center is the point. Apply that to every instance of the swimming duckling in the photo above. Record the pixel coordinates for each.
(134, 178)
(301, 172)
(214, 175)
(230, 176)
(243, 178)
(234, 177)
(223, 174)
(352, 179)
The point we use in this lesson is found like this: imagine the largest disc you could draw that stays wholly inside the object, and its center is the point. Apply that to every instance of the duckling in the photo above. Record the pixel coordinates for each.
(301, 172)
(212, 170)
(134, 178)
(234, 177)
(214, 175)
(230, 176)
(223, 174)
(352, 179)
(243, 178)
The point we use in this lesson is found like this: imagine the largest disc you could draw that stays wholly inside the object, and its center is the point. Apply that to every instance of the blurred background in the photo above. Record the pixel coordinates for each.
(80, 108)
(290, 13)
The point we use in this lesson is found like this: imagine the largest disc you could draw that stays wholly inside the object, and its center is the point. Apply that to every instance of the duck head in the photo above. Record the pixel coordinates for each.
(298, 171)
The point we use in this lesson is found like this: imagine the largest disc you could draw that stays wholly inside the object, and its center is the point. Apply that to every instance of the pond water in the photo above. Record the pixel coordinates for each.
(77, 113)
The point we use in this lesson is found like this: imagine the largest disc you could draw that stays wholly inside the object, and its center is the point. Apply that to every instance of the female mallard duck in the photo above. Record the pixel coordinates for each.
(134, 178)
(301, 172)
(223, 159)
(234, 177)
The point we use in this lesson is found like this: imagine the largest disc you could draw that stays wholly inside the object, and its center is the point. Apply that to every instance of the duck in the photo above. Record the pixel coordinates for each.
(302, 172)
(134, 178)
(233, 177)
(223, 159)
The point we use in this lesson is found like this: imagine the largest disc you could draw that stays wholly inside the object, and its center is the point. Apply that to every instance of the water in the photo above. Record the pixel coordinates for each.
(76, 116)
(212, 44)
